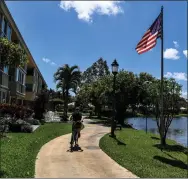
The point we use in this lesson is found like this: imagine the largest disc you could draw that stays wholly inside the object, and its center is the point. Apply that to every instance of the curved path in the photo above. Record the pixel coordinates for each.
(53, 160)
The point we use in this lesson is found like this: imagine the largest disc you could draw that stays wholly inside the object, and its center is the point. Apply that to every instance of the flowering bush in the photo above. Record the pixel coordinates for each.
(15, 111)
(12, 54)
(14, 119)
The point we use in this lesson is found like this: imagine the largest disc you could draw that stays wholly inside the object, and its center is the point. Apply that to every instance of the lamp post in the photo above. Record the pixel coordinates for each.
(115, 66)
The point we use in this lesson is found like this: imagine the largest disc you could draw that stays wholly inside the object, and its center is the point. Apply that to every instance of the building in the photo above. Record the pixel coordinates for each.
(18, 85)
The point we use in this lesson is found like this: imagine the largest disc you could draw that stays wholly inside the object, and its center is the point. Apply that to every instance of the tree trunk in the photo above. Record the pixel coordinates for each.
(66, 104)
(163, 140)
(113, 126)
(162, 137)
(99, 111)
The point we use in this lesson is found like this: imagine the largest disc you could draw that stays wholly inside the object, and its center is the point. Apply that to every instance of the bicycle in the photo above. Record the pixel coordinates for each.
(74, 138)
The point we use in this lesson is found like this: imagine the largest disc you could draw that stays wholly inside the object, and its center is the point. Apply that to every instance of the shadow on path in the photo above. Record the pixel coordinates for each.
(102, 123)
(76, 149)
(174, 163)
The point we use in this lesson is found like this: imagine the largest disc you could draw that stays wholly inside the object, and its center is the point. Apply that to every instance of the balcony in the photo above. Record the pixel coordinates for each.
(30, 79)
(20, 88)
(3, 79)
(17, 88)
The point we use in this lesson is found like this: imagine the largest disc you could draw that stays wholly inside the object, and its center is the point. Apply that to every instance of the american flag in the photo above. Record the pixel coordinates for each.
(149, 40)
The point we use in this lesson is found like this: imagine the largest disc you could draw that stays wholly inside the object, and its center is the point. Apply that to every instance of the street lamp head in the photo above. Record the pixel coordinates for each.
(115, 66)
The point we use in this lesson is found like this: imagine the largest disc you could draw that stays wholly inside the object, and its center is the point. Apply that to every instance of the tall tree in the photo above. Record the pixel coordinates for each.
(171, 95)
(67, 78)
(126, 93)
(96, 71)
(40, 104)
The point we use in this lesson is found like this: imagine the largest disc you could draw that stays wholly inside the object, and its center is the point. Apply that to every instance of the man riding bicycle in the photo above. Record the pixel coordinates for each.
(77, 125)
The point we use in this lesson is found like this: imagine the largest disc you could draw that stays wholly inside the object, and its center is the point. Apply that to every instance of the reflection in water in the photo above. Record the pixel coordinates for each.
(177, 130)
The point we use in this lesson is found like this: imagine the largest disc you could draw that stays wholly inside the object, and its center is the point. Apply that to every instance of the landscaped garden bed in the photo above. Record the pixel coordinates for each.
(14, 118)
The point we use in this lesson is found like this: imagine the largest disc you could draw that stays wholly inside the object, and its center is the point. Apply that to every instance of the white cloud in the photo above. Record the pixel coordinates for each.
(53, 64)
(46, 60)
(86, 9)
(178, 76)
(176, 44)
(171, 53)
(184, 94)
(185, 53)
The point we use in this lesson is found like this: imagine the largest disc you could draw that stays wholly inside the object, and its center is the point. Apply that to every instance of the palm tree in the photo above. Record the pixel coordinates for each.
(67, 78)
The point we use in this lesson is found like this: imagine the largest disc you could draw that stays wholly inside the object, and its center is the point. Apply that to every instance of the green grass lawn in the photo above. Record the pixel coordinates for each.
(140, 153)
(19, 151)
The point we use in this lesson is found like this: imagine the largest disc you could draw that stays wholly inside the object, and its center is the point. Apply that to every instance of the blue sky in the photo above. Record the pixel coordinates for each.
(81, 32)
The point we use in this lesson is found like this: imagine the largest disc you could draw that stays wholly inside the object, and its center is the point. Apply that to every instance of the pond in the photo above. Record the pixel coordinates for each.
(177, 130)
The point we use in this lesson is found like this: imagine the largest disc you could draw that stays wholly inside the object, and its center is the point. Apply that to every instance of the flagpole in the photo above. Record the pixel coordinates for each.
(162, 74)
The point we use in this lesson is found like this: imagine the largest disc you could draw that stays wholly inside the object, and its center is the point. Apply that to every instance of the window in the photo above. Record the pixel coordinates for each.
(5, 69)
(3, 96)
(17, 74)
(1, 17)
(20, 77)
(4, 27)
(29, 87)
(30, 71)
(1, 66)
(9, 32)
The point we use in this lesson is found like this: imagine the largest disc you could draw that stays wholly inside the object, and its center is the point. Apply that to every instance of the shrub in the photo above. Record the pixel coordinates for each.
(15, 111)
(19, 126)
(26, 128)
(42, 121)
(20, 122)
(4, 125)
(17, 120)
(40, 106)
(33, 121)
(13, 127)
(12, 54)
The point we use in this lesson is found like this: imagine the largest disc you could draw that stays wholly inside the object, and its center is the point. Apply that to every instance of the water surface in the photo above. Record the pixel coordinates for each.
(177, 130)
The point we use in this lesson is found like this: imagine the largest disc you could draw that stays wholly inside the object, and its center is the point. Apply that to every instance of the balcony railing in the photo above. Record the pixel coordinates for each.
(3, 79)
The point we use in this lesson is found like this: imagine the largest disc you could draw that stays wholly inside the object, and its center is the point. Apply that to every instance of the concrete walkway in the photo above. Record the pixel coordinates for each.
(53, 160)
